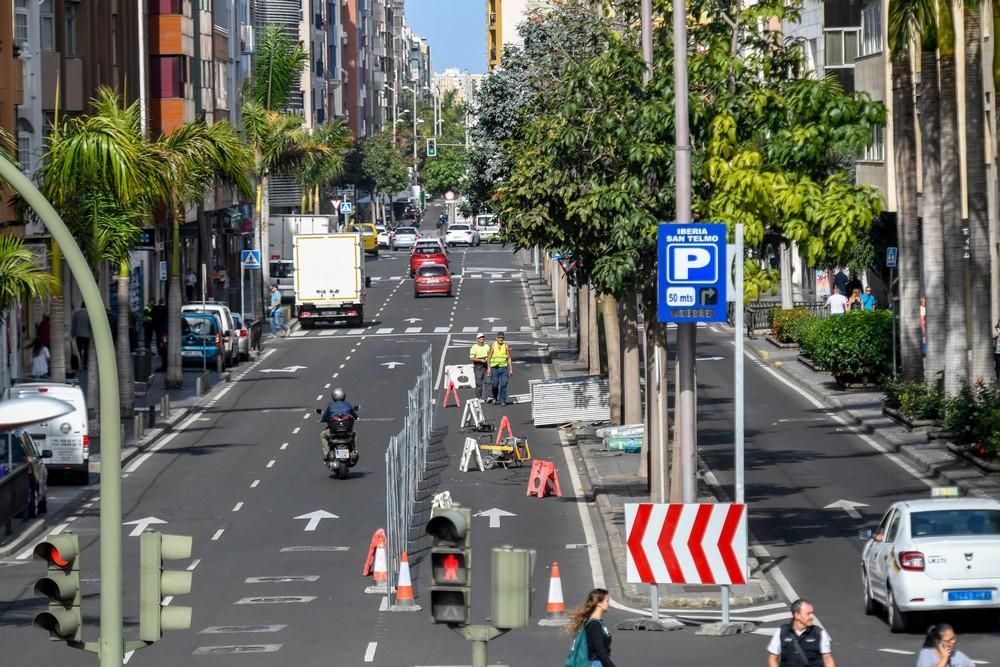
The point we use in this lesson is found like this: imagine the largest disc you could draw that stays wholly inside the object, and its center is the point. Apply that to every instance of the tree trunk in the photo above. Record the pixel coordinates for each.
(125, 387)
(584, 328)
(929, 104)
(657, 442)
(904, 140)
(980, 336)
(785, 262)
(175, 373)
(956, 370)
(631, 389)
(57, 320)
(593, 339)
(612, 346)
(264, 220)
(93, 390)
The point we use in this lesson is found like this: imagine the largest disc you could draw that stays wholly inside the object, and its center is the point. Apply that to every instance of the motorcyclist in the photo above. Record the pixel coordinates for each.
(337, 407)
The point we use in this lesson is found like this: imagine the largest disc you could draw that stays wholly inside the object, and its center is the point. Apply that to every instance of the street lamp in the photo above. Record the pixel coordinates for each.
(31, 410)
(414, 93)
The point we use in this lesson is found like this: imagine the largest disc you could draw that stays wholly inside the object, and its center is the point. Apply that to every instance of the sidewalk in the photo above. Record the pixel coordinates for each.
(611, 479)
(863, 410)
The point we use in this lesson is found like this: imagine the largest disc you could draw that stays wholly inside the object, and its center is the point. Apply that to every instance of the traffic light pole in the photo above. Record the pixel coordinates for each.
(110, 647)
(479, 635)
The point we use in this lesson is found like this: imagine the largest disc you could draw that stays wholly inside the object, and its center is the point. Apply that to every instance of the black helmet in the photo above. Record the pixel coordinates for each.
(339, 394)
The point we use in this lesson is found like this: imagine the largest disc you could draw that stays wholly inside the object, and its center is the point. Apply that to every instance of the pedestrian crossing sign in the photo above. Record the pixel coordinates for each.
(250, 259)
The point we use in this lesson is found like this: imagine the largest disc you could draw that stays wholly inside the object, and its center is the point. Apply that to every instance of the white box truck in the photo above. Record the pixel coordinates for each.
(283, 229)
(330, 278)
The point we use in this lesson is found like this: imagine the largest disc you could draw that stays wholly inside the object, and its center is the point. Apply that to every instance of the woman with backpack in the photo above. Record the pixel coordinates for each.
(592, 644)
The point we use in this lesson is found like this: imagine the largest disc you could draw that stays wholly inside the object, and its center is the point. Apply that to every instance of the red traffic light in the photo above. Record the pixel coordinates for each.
(52, 555)
(449, 567)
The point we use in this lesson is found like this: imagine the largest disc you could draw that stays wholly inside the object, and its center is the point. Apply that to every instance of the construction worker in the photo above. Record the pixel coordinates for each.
(478, 354)
(499, 368)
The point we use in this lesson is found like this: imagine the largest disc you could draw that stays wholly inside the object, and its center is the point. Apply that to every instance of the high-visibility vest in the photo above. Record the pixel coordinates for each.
(479, 352)
(499, 355)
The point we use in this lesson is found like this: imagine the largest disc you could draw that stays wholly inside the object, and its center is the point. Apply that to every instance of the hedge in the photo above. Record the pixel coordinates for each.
(855, 347)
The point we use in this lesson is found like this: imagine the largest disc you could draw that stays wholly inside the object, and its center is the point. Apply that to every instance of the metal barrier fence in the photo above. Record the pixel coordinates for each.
(759, 316)
(406, 463)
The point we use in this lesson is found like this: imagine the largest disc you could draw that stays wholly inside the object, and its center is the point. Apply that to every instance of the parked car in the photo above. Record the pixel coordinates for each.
(382, 236)
(933, 554)
(403, 237)
(67, 437)
(461, 233)
(242, 337)
(426, 255)
(432, 279)
(201, 337)
(17, 448)
(229, 342)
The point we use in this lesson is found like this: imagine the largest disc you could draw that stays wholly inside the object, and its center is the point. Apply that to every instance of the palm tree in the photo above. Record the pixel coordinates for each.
(192, 158)
(322, 166)
(979, 223)
(20, 278)
(904, 22)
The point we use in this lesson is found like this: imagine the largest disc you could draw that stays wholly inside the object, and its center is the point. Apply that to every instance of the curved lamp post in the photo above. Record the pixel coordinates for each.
(109, 647)
(31, 410)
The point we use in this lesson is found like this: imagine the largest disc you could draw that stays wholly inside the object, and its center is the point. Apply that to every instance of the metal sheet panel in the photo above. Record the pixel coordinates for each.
(582, 398)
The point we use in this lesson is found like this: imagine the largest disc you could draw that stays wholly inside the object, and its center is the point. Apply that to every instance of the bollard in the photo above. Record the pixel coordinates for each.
(150, 416)
(137, 426)
(165, 406)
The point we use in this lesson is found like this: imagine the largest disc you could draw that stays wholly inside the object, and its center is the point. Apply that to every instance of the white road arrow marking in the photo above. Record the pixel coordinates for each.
(393, 364)
(709, 358)
(286, 369)
(494, 516)
(848, 506)
(141, 525)
(315, 517)
(413, 320)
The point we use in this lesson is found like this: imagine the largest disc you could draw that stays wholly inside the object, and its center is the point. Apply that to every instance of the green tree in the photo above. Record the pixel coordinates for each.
(334, 142)
(383, 168)
(446, 171)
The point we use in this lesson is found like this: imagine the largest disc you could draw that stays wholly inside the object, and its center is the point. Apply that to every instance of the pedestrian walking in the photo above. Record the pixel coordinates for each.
(592, 642)
(996, 349)
(939, 649)
(800, 643)
(923, 325)
(837, 302)
(190, 281)
(868, 299)
(478, 354)
(277, 312)
(43, 331)
(79, 330)
(500, 369)
(39, 358)
(854, 302)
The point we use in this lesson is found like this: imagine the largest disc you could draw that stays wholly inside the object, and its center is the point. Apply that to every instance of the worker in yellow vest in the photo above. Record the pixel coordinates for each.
(500, 368)
(478, 354)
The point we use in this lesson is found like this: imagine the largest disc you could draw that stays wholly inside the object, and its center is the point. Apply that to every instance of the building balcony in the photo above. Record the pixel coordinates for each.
(171, 35)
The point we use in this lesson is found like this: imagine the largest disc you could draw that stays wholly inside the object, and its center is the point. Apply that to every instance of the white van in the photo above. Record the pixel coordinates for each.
(67, 436)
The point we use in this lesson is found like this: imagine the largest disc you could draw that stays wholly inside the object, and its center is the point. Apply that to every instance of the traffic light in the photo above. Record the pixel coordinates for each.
(432, 147)
(451, 565)
(155, 583)
(511, 587)
(64, 619)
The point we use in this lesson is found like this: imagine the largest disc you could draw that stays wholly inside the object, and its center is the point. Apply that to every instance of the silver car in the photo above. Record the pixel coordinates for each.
(403, 237)
(242, 333)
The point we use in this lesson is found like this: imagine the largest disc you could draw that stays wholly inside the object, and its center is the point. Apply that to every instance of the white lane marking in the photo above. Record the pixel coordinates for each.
(713, 330)
(384, 330)
(238, 506)
(270, 464)
(413, 330)
(347, 358)
(442, 329)
(597, 573)
(444, 353)
(334, 376)
(73, 518)
(284, 445)
(355, 332)
(370, 651)
(327, 332)
(296, 430)
(306, 415)
(498, 329)
(319, 397)
(342, 366)
(895, 651)
(194, 564)
(218, 534)
(326, 386)
(132, 467)
(60, 528)
(383, 605)
(253, 484)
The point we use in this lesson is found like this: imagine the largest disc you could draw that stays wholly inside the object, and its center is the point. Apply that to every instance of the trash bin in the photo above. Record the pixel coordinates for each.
(141, 365)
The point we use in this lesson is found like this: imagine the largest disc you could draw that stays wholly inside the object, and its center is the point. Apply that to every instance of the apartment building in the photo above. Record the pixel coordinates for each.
(502, 19)
(463, 84)
(11, 88)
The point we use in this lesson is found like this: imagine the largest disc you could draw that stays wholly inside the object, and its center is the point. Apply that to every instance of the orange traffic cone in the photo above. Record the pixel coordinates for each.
(555, 610)
(404, 590)
(381, 572)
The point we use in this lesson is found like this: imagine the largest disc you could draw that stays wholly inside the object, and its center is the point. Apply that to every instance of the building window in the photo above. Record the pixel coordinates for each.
(69, 47)
(871, 29)
(21, 22)
(875, 150)
(206, 5)
(167, 76)
(222, 85)
(48, 21)
(841, 47)
(24, 150)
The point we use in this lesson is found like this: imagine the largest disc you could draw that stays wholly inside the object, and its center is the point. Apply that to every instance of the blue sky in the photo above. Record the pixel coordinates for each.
(455, 29)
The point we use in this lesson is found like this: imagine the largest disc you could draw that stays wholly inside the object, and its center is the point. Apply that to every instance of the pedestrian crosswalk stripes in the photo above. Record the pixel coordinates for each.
(340, 332)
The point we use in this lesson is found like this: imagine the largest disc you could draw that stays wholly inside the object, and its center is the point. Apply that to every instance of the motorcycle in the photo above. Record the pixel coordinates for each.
(343, 443)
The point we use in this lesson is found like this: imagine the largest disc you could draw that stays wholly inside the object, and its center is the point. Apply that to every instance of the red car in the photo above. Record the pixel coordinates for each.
(432, 279)
(426, 255)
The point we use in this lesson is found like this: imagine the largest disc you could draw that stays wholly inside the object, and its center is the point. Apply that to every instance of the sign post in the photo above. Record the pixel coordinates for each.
(692, 279)
(249, 259)
(891, 258)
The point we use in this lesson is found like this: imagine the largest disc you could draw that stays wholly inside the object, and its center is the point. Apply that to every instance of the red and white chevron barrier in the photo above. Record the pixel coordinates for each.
(702, 543)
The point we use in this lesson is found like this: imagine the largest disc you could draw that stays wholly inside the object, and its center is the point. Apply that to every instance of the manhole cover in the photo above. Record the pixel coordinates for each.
(281, 580)
(245, 648)
(226, 629)
(277, 599)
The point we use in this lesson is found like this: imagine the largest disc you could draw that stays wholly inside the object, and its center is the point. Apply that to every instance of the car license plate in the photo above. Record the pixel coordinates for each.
(342, 453)
(190, 353)
(970, 596)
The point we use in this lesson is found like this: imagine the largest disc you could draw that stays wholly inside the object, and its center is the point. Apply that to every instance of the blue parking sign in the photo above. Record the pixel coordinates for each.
(691, 277)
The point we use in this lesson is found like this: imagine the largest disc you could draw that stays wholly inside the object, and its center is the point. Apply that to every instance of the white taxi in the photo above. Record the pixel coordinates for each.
(933, 554)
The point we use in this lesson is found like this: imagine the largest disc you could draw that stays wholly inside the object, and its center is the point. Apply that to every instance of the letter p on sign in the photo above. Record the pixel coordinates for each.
(693, 264)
